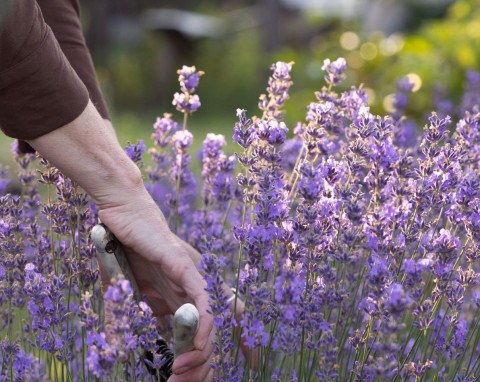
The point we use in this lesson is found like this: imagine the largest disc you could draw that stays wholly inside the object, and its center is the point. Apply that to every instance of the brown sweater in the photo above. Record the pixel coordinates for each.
(46, 72)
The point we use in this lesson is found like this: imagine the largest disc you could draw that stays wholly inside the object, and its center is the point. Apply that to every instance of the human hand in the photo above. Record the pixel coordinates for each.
(165, 269)
(159, 303)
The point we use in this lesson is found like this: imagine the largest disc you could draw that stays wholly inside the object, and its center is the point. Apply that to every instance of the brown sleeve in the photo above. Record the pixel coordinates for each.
(39, 90)
(63, 17)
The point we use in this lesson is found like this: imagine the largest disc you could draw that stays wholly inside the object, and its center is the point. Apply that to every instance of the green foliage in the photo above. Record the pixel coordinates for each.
(439, 51)
(130, 72)
(234, 72)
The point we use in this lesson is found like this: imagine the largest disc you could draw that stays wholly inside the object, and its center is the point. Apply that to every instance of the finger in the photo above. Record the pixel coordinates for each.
(192, 252)
(158, 305)
(202, 373)
(194, 286)
(206, 323)
(193, 359)
(209, 377)
(201, 300)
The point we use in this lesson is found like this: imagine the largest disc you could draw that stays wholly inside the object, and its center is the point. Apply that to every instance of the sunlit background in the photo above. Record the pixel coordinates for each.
(138, 45)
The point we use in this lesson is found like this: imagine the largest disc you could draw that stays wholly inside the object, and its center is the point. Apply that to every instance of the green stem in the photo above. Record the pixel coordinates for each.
(295, 174)
(365, 337)
(177, 194)
(225, 216)
(408, 356)
(352, 305)
(83, 353)
(52, 241)
(239, 266)
(439, 331)
(184, 126)
(268, 348)
(178, 181)
(477, 339)
(460, 361)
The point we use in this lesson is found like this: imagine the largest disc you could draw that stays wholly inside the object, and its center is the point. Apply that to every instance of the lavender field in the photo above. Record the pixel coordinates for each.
(352, 238)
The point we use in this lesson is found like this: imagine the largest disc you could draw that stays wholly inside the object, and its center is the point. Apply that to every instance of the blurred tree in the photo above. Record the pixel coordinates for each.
(138, 66)
(270, 25)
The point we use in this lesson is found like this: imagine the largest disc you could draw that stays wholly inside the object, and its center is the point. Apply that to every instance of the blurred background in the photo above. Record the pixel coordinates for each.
(138, 45)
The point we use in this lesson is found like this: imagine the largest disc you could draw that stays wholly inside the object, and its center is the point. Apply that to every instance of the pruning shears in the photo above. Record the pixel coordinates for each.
(185, 319)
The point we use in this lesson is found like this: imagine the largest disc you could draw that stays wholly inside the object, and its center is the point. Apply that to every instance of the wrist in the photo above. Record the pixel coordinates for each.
(121, 180)
(87, 151)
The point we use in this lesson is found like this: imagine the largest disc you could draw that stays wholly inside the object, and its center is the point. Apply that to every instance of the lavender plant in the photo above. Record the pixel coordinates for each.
(353, 244)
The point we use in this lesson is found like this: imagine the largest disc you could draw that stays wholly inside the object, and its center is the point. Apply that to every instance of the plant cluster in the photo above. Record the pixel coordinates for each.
(353, 242)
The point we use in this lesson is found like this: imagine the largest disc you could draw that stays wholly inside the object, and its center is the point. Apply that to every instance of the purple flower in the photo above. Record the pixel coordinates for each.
(182, 139)
(135, 151)
(446, 245)
(378, 273)
(289, 286)
(164, 128)
(354, 245)
(254, 333)
(470, 98)
(47, 308)
(4, 181)
(370, 306)
(185, 102)
(212, 145)
(24, 366)
(335, 71)
(278, 87)
(118, 292)
(272, 131)
(281, 70)
(244, 133)
(131, 327)
(404, 84)
(189, 78)
(100, 356)
(436, 129)
(397, 299)
(224, 319)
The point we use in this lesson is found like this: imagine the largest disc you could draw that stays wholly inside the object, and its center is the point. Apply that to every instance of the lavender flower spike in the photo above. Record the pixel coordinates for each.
(186, 101)
(335, 70)
(189, 78)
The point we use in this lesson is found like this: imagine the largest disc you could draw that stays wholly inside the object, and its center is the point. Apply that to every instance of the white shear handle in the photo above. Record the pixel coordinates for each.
(185, 326)
(112, 258)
